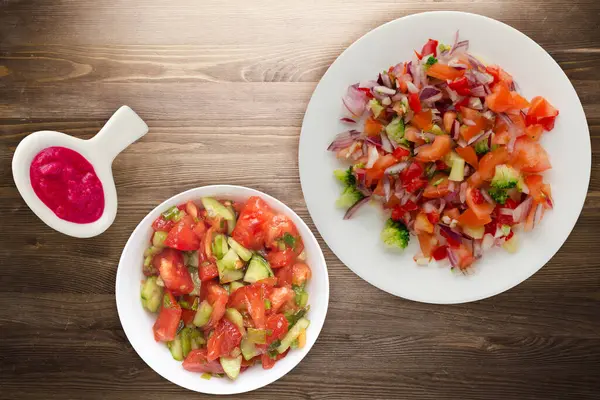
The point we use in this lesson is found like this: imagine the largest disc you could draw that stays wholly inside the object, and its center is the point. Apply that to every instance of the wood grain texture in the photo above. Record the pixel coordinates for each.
(218, 81)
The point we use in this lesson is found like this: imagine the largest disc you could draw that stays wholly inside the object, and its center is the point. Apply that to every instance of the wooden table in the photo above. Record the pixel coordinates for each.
(223, 86)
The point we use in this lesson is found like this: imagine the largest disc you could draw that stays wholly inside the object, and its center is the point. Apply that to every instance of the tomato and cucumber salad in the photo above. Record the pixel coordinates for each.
(448, 146)
(228, 283)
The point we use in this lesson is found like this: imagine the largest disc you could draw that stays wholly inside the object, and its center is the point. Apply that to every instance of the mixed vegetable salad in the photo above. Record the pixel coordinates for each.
(451, 149)
(228, 283)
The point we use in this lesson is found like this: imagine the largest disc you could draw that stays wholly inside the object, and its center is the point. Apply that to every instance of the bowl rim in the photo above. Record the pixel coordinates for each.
(324, 302)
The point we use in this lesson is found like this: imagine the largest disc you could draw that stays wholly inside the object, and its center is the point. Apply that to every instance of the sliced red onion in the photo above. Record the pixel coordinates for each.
(478, 91)
(506, 119)
(514, 194)
(386, 80)
(419, 195)
(429, 207)
(378, 96)
(450, 232)
(386, 101)
(454, 96)
(373, 156)
(455, 130)
(343, 140)
(352, 210)
(467, 170)
(511, 143)
(539, 214)
(463, 192)
(475, 62)
(487, 89)
(374, 140)
(469, 122)
(549, 202)
(430, 94)
(468, 242)
(398, 97)
(475, 103)
(452, 257)
(385, 143)
(441, 206)
(462, 142)
(489, 114)
(524, 188)
(405, 198)
(348, 120)
(384, 90)
(396, 168)
(367, 84)
(355, 100)
(477, 137)
(487, 196)
(451, 186)
(415, 70)
(411, 87)
(521, 212)
(477, 249)
(387, 189)
(482, 77)
(428, 136)
(459, 47)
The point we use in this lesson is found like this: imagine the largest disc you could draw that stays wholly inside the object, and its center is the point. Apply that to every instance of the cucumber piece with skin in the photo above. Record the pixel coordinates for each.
(203, 314)
(235, 286)
(227, 275)
(231, 223)
(186, 340)
(176, 349)
(214, 208)
(236, 318)
(231, 366)
(257, 336)
(249, 349)
(219, 246)
(258, 269)
(293, 334)
(231, 260)
(158, 239)
(151, 294)
(197, 339)
(241, 251)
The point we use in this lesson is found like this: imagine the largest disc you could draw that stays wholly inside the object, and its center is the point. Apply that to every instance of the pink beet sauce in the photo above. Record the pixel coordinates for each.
(67, 183)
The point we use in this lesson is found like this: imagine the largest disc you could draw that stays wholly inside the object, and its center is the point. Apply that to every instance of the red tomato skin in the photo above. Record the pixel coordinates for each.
(440, 253)
(414, 102)
(165, 326)
(278, 325)
(182, 236)
(187, 316)
(223, 340)
(196, 361)
(279, 259)
(163, 225)
(430, 48)
(249, 231)
(169, 263)
(208, 271)
(284, 276)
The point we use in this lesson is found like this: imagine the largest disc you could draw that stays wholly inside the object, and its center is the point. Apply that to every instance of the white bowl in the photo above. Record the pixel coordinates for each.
(122, 129)
(137, 322)
(356, 241)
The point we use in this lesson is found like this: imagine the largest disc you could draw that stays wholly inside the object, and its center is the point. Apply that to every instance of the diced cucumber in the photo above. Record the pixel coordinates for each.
(227, 275)
(186, 340)
(197, 339)
(147, 261)
(293, 334)
(231, 223)
(241, 251)
(257, 336)
(151, 294)
(214, 208)
(235, 286)
(476, 232)
(152, 251)
(302, 299)
(158, 239)
(457, 173)
(176, 349)
(203, 314)
(232, 260)
(249, 349)
(231, 366)
(171, 213)
(219, 246)
(236, 318)
(196, 280)
(191, 259)
(258, 269)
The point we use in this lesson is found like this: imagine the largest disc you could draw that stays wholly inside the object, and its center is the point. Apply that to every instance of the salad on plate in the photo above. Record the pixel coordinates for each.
(228, 283)
(448, 146)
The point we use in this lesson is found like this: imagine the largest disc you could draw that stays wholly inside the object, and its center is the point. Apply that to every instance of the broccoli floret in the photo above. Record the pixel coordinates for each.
(345, 176)
(395, 234)
(430, 61)
(481, 147)
(505, 177)
(375, 107)
(349, 197)
(395, 130)
(499, 195)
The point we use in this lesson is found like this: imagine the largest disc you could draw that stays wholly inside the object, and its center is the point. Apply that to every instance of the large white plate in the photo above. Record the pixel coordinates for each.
(356, 241)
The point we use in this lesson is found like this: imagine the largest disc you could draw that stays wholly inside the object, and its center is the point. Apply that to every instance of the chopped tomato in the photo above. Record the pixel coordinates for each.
(182, 236)
(444, 72)
(448, 120)
(439, 253)
(422, 224)
(163, 225)
(196, 361)
(469, 155)
(268, 362)
(436, 150)
(440, 165)
(248, 230)
(460, 86)
(480, 207)
(399, 210)
(191, 209)
(280, 296)
(414, 170)
(430, 48)
(373, 127)
(414, 102)
(487, 164)
(540, 191)
(464, 256)
(534, 132)
(452, 213)
(281, 258)
(423, 120)
(470, 131)
(284, 276)
(187, 316)
(427, 242)
(400, 152)
(452, 242)
(439, 186)
(433, 217)
(217, 297)
(503, 100)
(207, 271)
(499, 75)
(169, 263)
(277, 227)
(251, 298)
(469, 218)
(165, 327)
(542, 112)
(378, 169)
(301, 273)
(277, 325)
(200, 229)
(412, 134)
(223, 340)
(530, 156)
